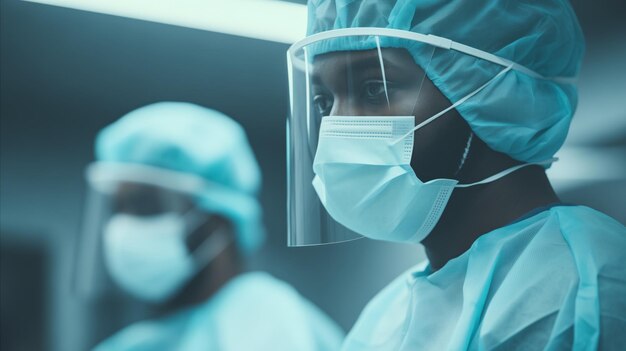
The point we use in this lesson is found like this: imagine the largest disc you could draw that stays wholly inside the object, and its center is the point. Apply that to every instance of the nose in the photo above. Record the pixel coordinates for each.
(346, 107)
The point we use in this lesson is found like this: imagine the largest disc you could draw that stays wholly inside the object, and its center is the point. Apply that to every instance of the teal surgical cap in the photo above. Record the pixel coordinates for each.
(194, 140)
(519, 115)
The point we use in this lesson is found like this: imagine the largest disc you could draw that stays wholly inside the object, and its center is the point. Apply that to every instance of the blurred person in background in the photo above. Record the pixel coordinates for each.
(173, 215)
(433, 122)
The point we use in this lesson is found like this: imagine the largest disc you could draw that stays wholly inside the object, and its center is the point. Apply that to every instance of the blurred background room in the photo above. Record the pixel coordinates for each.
(71, 67)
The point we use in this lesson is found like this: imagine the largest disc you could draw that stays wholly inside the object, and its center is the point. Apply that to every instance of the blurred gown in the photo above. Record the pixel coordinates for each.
(253, 311)
(555, 280)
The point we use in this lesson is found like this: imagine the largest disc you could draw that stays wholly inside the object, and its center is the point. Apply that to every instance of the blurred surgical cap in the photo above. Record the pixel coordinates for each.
(527, 118)
(195, 140)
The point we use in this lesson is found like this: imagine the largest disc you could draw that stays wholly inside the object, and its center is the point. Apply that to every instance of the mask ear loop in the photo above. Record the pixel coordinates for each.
(459, 102)
(382, 69)
(212, 246)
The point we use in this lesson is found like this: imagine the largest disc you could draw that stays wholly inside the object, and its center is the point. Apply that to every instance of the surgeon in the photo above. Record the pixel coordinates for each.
(432, 123)
(178, 185)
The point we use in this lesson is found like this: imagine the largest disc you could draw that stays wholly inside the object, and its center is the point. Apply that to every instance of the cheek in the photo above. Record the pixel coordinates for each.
(439, 146)
(347, 106)
(429, 103)
(404, 104)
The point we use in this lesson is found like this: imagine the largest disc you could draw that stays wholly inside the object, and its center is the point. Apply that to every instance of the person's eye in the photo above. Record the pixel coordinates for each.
(374, 91)
(323, 104)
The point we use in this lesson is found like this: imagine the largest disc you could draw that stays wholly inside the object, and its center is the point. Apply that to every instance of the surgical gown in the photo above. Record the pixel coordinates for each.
(553, 281)
(253, 311)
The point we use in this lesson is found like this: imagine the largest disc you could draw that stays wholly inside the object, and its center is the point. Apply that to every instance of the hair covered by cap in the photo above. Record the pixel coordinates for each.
(195, 140)
(524, 117)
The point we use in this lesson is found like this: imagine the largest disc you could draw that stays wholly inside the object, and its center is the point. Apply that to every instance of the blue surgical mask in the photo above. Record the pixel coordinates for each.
(147, 256)
(364, 179)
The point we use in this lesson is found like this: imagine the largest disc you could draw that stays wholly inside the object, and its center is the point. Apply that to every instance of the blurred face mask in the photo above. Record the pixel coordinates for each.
(147, 256)
(364, 179)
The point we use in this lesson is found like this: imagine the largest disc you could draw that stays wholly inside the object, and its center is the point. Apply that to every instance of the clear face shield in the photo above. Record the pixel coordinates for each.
(328, 90)
(356, 100)
(139, 233)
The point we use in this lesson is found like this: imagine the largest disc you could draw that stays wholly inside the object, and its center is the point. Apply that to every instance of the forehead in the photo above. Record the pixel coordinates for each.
(139, 189)
(145, 199)
(342, 61)
(126, 190)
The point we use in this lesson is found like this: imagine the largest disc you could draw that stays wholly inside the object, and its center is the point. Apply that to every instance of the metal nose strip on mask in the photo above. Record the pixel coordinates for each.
(459, 102)
(387, 127)
(356, 130)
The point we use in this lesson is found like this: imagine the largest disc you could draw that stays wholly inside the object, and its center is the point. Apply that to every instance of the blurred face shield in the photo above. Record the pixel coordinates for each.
(365, 84)
(138, 232)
